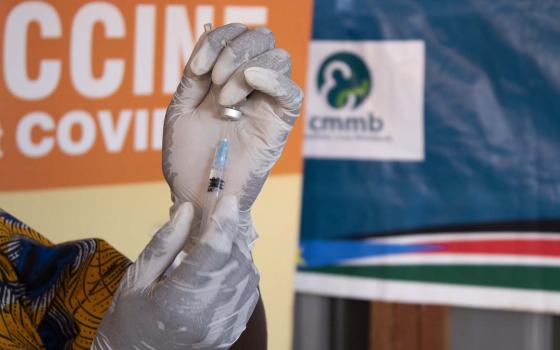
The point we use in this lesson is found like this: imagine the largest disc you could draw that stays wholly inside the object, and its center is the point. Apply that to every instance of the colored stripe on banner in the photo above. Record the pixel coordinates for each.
(318, 253)
(522, 277)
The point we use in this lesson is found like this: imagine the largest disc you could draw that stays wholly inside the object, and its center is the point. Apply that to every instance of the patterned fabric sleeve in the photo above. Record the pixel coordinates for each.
(53, 296)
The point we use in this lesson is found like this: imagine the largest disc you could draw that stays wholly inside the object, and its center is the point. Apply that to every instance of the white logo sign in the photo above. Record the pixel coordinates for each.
(365, 100)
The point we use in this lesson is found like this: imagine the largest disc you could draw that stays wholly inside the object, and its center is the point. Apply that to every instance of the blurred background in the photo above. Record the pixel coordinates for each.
(417, 203)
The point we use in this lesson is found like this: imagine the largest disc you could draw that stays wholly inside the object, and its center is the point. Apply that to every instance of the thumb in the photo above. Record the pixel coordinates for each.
(163, 248)
(213, 250)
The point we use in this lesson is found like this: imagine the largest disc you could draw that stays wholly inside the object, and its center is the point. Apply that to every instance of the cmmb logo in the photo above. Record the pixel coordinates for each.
(344, 80)
(365, 100)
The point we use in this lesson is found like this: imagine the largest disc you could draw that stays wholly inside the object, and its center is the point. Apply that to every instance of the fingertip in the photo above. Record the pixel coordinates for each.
(234, 92)
(231, 200)
(257, 76)
(200, 62)
(186, 207)
(228, 205)
(212, 45)
(224, 65)
(223, 226)
(227, 212)
(184, 212)
(288, 94)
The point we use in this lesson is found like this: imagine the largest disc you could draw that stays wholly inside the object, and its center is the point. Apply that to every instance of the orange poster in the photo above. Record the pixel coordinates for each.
(85, 84)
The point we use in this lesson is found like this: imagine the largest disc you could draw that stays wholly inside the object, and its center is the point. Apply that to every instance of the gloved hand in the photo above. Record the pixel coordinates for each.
(230, 65)
(204, 303)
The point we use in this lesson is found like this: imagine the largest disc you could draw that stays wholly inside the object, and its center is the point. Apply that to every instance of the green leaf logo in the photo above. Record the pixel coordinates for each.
(344, 80)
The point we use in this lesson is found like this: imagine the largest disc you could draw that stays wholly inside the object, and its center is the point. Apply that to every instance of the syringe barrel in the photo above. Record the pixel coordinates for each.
(216, 182)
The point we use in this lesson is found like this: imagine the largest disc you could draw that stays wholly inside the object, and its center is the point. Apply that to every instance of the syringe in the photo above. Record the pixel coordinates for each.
(216, 184)
(217, 177)
(216, 181)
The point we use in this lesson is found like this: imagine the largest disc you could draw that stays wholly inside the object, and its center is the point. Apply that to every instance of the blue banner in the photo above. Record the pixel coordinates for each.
(455, 138)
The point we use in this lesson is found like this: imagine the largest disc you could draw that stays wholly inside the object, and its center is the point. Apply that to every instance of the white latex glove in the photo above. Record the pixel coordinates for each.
(231, 65)
(204, 303)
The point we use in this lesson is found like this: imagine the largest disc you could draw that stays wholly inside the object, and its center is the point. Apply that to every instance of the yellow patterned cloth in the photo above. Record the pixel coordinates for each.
(53, 296)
